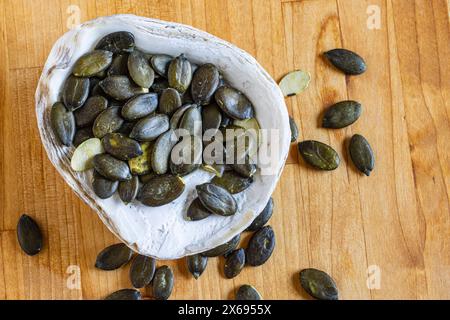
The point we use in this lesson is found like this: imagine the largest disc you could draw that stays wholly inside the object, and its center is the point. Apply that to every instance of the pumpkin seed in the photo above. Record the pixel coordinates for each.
(92, 63)
(197, 211)
(251, 126)
(128, 190)
(319, 155)
(179, 73)
(226, 120)
(217, 169)
(111, 168)
(91, 109)
(204, 83)
(347, 61)
(161, 190)
(100, 75)
(196, 264)
(294, 82)
(121, 147)
(150, 127)
(126, 128)
(232, 182)
(177, 115)
(125, 294)
(260, 246)
(103, 187)
(159, 85)
(160, 63)
(75, 92)
(246, 170)
(147, 177)
(63, 123)
(234, 103)
(341, 114)
(169, 101)
(216, 199)
(262, 218)
(294, 129)
(235, 263)
(97, 90)
(192, 121)
(362, 154)
(140, 106)
(113, 257)
(247, 292)
(140, 70)
(82, 135)
(83, 156)
(107, 121)
(142, 271)
(119, 66)
(163, 283)
(211, 118)
(186, 98)
(186, 156)
(120, 87)
(141, 164)
(29, 235)
(318, 284)
(117, 42)
(162, 150)
(224, 248)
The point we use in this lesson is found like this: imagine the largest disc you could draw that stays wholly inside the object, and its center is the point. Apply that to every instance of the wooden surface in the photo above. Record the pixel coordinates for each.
(394, 225)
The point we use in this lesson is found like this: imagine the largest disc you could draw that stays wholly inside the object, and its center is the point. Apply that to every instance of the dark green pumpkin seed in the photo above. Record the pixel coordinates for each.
(121, 147)
(196, 264)
(97, 90)
(63, 123)
(186, 97)
(217, 169)
(192, 121)
(232, 182)
(319, 155)
(247, 292)
(204, 83)
(160, 63)
(82, 135)
(224, 248)
(120, 87)
(341, 114)
(113, 257)
(197, 211)
(226, 121)
(107, 121)
(119, 66)
(179, 73)
(159, 85)
(362, 154)
(125, 294)
(234, 103)
(161, 190)
(216, 199)
(117, 42)
(29, 235)
(126, 128)
(140, 70)
(140, 106)
(87, 114)
(169, 101)
(262, 218)
(142, 270)
(318, 284)
(186, 156)
(163, 283)
(211, 118)
(103, 187)
(347, 61)
(75, 92)
(260, 246)
(150, 127)
(111, 168)
(294, 129)
(246, 170)
(128, 190)
(92, 63)
(100, 75)
(162, 150)
(141, 165)
(147, 177)
(176, 117)
(235, 263)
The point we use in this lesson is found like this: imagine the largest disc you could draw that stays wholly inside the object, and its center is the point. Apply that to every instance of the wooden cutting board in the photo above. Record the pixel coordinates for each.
(386, 236)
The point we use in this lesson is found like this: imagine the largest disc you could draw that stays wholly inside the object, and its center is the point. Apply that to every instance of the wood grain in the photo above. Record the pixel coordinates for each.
(396, 221)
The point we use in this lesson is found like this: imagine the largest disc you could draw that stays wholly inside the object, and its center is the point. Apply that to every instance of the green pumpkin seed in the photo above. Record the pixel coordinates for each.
(75, 92)
(294, 82)
(142, 271)
(128, 190)
(217, 169)
(204, 83)
(140, 106)
(83, 156)
(147, 177)
(141, 165)
(260, 246)
(235, 263)
(176, 117)
(159, 85)
(163, 283)
(247, 292)
(111, 168)
(186, 97)
(125, 294)
(246, 170)
(318, 284)
(162, 150)
(251, 126)
(294, 129)
(117, 42)
(29, 235)
(103, 187)
(196, 264)
(179, 73)
(161, 190)
(92, 63)
(140, 70)
(97, 90)
(150, 127)
(362, 154)
(82, 135)
(186, 156)
(63, 123)
(197, 211)
(169, 101)
(121, 147)
(119, 66)
(113, 257)
(100, 75)
(87, 114)
(216, 199)
(347, 61)
(319, 155)
(126, 128)
(234, 103)
(160, 63)
(192, 121)
(262, 218)
(232, 182)
(211, 118)
(107, 122)
(224, 248)
(120, 87)
(341, 114)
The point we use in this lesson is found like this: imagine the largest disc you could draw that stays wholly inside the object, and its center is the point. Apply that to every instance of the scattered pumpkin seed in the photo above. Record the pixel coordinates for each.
(318, 284)
(121, 147)
(247, 292)
(196, 264)
(140, 70)
(294, 83)
(347, 61)
(224, 248)
(142, 270)
(75, 92)
(140, 106)
(341, 114)
(319, 155)
(150, 127)
(87, 114)
(117, 42)
(160, 63)
(260, 246)
(161, 190)
(128, 190)
(232, 182)
(294, 129)
(113, 257)
(204, 83)
(162, 150)
(107, 121)
(361, 154)
(235, 263)
(141, 164)
(169, 101)
(163, 283)
(82, 135)
(197, 211)
(120, 87)
(111, 168)
(216, 199)
(29, 235)
(263, 217)
(103, 187)
(234, 103)
(63, 123)
(125, 294)
(179, 73)
(83, 156)
(92, 63)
